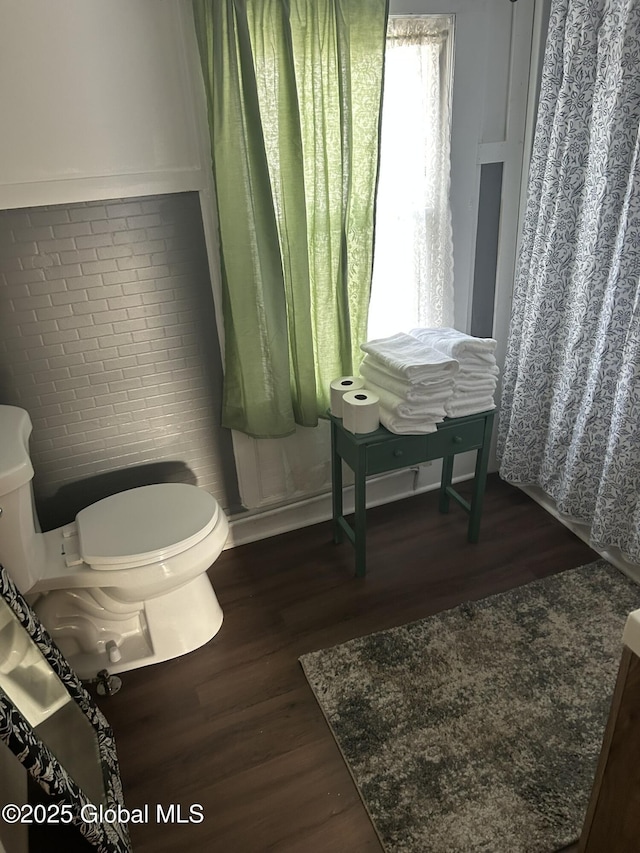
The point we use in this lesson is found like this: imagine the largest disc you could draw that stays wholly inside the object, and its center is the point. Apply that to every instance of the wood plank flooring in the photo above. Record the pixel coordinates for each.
(234, 726)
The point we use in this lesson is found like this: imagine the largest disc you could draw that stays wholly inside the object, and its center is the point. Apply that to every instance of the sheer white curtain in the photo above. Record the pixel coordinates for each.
(413, 255)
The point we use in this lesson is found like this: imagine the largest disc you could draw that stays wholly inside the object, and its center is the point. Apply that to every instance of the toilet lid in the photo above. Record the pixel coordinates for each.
(145, 525)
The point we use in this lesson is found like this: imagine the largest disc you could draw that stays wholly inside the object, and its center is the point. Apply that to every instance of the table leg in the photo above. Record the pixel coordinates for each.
(336, 486)
(360, 520)
(480, 480)
(445, 482)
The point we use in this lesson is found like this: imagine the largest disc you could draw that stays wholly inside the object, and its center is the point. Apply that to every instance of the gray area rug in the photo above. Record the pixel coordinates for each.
(479, 729)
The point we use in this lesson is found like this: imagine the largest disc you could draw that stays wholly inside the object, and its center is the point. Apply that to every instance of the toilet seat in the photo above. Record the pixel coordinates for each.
(143, 525)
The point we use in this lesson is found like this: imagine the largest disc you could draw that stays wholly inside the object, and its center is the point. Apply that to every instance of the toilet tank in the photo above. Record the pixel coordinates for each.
(21, 546)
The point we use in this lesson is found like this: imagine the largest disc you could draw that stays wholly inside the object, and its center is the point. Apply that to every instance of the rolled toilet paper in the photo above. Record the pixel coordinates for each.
(339, 387)
(361, 411)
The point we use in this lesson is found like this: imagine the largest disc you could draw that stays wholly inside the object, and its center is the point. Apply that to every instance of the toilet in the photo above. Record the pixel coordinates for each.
(123, 586)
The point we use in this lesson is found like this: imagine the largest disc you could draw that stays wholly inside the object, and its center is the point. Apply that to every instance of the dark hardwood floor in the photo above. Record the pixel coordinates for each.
(234, 726)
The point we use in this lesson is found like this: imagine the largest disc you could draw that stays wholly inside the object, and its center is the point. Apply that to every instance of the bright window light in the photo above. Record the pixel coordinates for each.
(413, 252)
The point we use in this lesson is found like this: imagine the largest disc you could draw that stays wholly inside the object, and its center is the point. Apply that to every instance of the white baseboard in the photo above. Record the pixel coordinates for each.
(380, 490)
(582, 531)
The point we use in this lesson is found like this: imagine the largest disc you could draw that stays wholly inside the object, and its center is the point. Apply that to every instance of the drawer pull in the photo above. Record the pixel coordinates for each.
(457, 439)
(397, 453)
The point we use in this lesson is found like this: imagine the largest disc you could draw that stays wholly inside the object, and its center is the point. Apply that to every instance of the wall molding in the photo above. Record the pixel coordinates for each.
(62, 191)
(380, 490)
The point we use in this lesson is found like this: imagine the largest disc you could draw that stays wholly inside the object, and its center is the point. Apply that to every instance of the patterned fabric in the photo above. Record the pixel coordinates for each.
(571, 398)
(37, 758)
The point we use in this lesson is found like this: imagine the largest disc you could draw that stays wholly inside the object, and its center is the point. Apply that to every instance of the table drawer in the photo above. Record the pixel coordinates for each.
(456, 439)
(397, 453)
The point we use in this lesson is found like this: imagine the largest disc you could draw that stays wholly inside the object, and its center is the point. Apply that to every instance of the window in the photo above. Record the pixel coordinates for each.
(413, 256)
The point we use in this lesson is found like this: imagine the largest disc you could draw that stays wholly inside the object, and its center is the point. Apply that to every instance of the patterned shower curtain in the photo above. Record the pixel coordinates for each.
(571, 398)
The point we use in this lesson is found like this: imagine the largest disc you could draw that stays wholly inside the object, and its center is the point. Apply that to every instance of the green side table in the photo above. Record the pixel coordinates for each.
(380, 451)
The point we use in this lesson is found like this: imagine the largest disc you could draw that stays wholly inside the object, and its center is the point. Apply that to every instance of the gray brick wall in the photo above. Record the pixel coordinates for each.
(108, 340)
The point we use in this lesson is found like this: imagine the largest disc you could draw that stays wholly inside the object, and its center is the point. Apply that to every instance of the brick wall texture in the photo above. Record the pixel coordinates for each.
(108, 340)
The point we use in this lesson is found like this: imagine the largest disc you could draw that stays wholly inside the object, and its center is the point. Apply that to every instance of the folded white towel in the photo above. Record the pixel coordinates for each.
(478, 386)
(374, 372)
(411, 359)
(406, 426)
(471, 396)
(491, 371)
(457, 344)
(429, 406)
(460, 410)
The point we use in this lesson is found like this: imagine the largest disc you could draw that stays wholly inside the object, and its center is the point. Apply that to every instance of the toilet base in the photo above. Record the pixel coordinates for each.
(164, 627)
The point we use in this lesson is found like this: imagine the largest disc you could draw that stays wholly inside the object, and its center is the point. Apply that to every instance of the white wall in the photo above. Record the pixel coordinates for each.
(96, 101)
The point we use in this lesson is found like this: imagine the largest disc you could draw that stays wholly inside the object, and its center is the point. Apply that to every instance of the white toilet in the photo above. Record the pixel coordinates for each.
(123, 586)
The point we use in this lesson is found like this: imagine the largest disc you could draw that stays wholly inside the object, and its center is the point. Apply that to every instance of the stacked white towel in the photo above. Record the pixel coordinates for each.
(475, 383)
(414, 381)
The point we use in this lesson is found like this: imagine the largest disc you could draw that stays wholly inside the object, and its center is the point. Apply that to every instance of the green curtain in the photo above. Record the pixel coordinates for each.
(294, 95)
